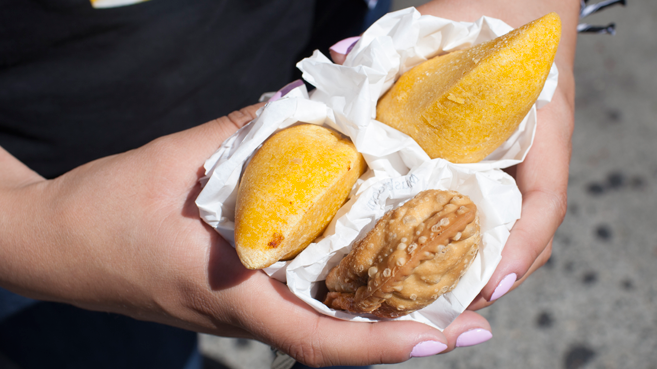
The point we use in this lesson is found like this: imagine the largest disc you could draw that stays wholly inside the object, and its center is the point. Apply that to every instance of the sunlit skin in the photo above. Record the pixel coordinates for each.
(122, 233)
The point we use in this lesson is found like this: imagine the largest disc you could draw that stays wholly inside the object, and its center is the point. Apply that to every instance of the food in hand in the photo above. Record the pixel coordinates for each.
(461, 106)
(413, 255)
(290, 191)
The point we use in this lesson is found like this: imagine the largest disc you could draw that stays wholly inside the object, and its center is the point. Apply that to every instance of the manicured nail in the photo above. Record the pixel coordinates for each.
(285, 90)
(344, 47)
(504, 286)
(428, 348)
(473, 337)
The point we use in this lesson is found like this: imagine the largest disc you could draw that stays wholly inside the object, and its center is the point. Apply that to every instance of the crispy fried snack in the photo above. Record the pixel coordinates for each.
(290, 191)
(413, 255)
(463, 105)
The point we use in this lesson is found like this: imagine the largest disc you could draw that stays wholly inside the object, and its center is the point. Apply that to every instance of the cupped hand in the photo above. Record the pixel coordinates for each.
(122, 234)
(543, 177)
(543, 181)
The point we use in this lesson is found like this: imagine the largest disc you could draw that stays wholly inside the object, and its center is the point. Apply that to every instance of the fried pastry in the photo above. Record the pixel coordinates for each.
(413, 255)
(463, 105)
(290, 191)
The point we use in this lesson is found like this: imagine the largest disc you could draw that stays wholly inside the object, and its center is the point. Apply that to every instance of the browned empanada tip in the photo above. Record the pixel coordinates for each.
(414, 254)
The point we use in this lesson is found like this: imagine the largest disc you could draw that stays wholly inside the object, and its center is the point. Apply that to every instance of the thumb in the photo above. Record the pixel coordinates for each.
(207, 137)
(318, 340)
(217, 131)
(341, 49)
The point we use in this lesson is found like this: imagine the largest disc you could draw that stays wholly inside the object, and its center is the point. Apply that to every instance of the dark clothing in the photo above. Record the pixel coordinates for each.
(49, 335)
(78, 84)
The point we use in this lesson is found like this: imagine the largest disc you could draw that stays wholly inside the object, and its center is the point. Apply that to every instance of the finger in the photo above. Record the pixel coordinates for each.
(285, 90)
(543, 181)
(341, 49)
(468, 329)
(337, 57)
(480, 302)
(222, 128)
(528, 239)
(540, 261)
(318, 340)
(193, 146)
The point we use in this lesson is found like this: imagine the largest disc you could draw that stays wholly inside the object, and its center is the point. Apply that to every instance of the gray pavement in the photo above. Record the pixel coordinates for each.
(594, 305)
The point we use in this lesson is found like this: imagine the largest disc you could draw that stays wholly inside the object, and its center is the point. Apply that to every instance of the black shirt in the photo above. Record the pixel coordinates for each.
(78, 83)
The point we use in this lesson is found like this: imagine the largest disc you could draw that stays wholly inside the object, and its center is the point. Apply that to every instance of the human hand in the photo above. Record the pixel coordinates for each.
(543, 181)
(543, 177)
(122, 234)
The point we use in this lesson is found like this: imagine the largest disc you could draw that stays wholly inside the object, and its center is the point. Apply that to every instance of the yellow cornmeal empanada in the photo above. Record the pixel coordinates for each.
(290, 191)
(463, 105)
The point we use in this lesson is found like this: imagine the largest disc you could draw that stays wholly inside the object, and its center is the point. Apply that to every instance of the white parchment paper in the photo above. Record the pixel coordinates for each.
(498, 202)
(345, 100)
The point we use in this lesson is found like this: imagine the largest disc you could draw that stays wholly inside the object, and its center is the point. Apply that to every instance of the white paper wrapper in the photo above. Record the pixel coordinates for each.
(498, 202)
(345, 100)
(393, 45)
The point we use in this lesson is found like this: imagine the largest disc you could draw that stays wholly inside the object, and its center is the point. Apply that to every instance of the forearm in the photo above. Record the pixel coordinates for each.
(18, 186)
(48, 251)
(13, 173)
(114, 234)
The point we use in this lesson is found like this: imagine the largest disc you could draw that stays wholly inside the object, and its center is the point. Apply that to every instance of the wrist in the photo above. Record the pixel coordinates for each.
(38, 251)
(24, 225)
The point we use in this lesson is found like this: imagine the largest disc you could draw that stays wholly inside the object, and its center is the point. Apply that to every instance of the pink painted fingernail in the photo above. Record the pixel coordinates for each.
(473, 337)
(285, 90)
(504, 286)
(344, 47)
(428, 348)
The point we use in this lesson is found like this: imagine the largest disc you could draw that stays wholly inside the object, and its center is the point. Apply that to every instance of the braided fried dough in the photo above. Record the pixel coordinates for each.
(413, 255)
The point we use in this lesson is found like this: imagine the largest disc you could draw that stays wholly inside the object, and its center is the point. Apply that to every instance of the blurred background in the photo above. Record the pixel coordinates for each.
(594, 304)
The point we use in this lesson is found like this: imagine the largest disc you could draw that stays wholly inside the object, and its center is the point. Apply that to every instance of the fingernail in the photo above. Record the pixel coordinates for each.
(344, 47)
(428, 348)
(285, 90)
(473, 337)
(504, 286)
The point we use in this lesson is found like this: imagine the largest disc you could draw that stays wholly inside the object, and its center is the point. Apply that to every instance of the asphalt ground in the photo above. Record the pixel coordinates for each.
(593, 305)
